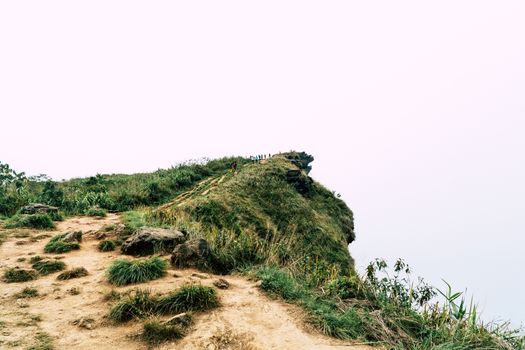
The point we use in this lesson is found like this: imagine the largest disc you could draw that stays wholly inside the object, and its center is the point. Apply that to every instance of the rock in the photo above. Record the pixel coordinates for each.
(183, 320)
(301, 159)
(191, 253)
(221, 284)
(73, 236)
(149, 240)
(301, 182)
(87, 323)
(34, 208)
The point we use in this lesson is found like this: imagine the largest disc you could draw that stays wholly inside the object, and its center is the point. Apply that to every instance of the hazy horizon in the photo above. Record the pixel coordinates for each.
(414, 111)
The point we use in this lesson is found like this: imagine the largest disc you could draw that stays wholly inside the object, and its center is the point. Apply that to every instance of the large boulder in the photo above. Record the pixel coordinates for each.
(300, 159)
(190, 254)
(149, 240)
(35, 208)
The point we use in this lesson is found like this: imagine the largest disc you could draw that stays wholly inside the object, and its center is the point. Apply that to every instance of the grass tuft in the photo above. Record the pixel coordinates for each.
(27, 293)
(139, 304)
(106, 246)
(37, 221)
(97, 212)
(15, 274)
(122, 272)
(156, 332)
(58, 245)
(73, 273)
(193, 297)
(46, 267)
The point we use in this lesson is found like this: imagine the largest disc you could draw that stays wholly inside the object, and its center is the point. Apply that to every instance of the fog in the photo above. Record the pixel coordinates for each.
(414, 111)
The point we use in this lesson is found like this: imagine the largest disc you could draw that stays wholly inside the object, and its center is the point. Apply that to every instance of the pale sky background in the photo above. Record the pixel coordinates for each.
(414, 111)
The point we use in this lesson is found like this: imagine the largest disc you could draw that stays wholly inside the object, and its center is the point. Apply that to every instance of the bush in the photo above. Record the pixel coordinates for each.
(58, 245)
(155, 332)
(27, 293)
(346, 287)
(37, 221)
(18, 275)
(122, 272)
(188, 298)
(98, 212)
(35, 259)
(45, 267)
(73, 273)
(106, 246)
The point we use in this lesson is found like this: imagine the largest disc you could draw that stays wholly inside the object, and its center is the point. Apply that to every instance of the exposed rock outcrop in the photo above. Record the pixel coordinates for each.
(73, 236)
(35, 208)
(301, 159)
(190, 254)
(301, 182)
(149, 240)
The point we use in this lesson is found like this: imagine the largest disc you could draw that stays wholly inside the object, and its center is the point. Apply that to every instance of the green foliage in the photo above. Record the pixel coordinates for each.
(138, 304)
(388, 308)
(57, 245)
(52, 194)
(98, 212)
(106, 246)
(27, 292)
(73, 273)
(39, 221)
(122, 272)
(35, 259)
(155, 332)
(141, 304)
(46, 267)
(188, 298)
(259, 217)
(15, 274)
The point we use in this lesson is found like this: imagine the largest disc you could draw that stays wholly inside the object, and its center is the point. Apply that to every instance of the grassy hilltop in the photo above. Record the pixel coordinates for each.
(268, 221)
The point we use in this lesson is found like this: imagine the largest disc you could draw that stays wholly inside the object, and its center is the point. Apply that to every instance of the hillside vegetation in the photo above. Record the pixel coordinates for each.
(269, 221)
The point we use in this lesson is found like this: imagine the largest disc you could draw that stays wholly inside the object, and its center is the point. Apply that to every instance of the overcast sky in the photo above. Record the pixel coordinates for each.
(414, 111)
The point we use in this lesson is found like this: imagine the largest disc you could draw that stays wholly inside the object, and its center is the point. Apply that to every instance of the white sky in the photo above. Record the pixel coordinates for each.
(413, 110)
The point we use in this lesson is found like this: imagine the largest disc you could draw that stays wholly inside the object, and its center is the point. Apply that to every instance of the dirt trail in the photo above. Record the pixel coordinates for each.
(247, 319)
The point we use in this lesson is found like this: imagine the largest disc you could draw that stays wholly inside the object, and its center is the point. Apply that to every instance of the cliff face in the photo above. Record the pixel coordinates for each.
(270, 212)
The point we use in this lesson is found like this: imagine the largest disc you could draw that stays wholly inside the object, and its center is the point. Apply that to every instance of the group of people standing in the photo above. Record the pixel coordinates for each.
(259, 157)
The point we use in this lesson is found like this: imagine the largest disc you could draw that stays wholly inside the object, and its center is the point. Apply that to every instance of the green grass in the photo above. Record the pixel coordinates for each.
(36, 221)
(27, 292)
(43, 341)
(106, 246)
(46, 267)
(141, 304)
(188, 298)
(122, 272)
(73, 273)
(35, 259)
(156, 332)
(13, 275)
(97, 212)
(57, 245)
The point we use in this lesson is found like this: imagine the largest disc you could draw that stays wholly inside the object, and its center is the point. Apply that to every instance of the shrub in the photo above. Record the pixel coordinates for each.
(98, 212)
(188, 298)
(106, 246)
(27, 293)
(137, 305)
(58, 245)
(73, 273)
(122, 272)
(346, 287)
(19, 275)
(155, 332)
(37, 221)
(45, 267)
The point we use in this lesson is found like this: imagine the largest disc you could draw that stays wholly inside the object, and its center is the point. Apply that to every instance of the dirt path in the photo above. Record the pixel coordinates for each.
(247, 319)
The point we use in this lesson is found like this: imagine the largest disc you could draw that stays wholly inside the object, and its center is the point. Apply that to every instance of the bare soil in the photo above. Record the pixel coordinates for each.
(73, 312)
